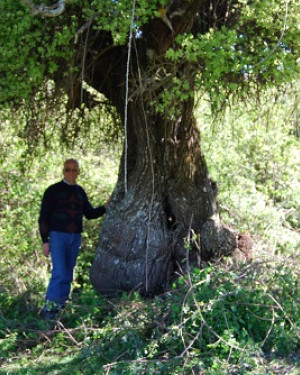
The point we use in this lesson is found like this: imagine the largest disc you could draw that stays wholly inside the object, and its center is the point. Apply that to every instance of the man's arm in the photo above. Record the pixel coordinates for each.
(44, 218)
(93, 213)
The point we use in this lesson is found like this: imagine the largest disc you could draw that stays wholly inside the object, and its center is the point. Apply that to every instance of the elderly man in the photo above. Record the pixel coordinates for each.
(60, 223)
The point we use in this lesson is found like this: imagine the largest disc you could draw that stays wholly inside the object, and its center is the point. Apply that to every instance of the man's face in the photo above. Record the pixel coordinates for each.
(71, 172)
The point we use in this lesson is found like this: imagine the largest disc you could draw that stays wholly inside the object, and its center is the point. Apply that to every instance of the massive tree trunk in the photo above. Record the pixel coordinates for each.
(164, 193)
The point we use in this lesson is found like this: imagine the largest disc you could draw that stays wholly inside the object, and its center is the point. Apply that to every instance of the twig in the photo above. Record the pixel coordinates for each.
(59, 323)
(47, 11)
(280, 38)
(285, 315)
(270, 329)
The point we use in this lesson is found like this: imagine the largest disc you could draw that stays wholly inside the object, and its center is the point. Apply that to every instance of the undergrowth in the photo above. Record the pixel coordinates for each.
(224, 319)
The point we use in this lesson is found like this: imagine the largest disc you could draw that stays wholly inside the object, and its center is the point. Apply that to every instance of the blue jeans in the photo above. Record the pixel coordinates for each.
(64, 249)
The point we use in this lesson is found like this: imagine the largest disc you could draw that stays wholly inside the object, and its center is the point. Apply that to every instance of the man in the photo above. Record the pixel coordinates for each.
(60, 223)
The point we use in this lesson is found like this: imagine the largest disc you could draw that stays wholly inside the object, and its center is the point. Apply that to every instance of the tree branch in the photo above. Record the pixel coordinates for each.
(85, 27)
(47, 11)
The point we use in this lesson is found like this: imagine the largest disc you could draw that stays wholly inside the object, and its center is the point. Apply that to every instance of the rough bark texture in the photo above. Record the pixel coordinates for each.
(169, 196)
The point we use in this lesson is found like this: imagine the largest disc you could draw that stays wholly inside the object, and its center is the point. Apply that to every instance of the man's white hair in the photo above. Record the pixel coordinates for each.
(71, 160)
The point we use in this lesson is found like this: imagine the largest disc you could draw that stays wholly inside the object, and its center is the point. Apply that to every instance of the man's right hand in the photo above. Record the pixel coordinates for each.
(46, 249)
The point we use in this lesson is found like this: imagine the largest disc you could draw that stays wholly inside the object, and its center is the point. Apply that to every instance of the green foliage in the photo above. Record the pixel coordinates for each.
(274, 19)
(218, 320)
(179, 92)
(116, 16)
(31, 48)
(257, 166)
(260, 50)
(255, 47)
(36, 49)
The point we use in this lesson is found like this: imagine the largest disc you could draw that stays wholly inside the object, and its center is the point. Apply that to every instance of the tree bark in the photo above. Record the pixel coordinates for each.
(168, 196)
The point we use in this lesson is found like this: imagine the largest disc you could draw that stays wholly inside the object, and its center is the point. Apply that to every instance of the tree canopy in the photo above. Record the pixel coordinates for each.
(224, 46)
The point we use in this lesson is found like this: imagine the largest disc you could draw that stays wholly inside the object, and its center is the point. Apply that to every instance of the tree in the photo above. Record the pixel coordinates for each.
(149, 58)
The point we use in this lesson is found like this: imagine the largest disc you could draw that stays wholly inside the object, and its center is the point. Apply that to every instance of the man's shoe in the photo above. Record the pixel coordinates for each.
(49, 315)
(51, 308)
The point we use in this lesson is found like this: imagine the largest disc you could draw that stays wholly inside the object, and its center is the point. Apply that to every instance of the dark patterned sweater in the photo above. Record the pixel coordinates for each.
(62, 209)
